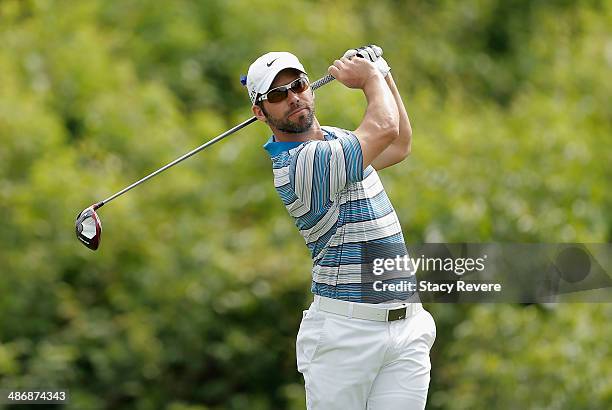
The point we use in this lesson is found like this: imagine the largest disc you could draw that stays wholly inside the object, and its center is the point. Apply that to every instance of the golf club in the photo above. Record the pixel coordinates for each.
(88, 224)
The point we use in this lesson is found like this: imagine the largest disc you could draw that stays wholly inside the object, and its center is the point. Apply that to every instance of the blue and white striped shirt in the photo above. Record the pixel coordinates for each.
(339, 208)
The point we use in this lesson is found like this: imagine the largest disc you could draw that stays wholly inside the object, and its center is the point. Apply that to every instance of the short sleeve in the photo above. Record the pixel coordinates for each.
(321, 169)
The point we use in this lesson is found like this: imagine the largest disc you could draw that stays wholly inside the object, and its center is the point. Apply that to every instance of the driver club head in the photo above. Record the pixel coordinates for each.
(89, 228)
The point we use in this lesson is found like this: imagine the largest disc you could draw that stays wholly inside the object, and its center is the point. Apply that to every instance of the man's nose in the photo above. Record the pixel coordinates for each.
(292, 96)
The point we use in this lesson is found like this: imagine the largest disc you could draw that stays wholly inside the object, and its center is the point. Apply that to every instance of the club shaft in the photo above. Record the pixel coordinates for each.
(319, 83)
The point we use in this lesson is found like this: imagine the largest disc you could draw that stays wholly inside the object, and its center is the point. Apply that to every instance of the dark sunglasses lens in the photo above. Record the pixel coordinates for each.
(277, 96)
(299, 86)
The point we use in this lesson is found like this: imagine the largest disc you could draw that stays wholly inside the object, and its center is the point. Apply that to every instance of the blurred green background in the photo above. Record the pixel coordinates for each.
(194, 299)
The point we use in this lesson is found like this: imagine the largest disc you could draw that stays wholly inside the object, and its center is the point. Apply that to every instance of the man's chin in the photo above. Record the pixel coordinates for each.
(301, 113)
(303, 124)
(296, 129)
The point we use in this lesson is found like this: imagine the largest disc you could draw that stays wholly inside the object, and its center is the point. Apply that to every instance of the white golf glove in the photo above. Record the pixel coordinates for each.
(372, 53)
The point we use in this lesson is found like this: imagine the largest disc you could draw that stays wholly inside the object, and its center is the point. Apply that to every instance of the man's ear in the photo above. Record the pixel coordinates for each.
(258, 112)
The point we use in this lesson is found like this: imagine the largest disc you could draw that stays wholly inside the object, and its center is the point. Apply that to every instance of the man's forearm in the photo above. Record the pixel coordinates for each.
(381, 107)
(380, 124)
(400, 147)
(404, 140)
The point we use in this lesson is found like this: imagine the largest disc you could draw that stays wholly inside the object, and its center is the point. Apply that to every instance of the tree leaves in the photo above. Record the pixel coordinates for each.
(194, 298)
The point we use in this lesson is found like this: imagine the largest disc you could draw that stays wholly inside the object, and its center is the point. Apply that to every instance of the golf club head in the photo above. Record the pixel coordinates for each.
(89, 228)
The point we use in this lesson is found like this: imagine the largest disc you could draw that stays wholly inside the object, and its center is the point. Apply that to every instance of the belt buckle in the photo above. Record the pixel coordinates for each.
(397, 313)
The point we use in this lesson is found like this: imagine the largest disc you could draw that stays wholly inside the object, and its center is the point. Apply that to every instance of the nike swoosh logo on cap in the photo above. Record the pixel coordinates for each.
(271, 62)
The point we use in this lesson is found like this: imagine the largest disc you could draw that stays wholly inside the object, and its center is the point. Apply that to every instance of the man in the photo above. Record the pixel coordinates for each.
(357, 347)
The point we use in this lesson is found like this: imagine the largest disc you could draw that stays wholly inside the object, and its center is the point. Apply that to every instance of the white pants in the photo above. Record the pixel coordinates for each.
(361, 364)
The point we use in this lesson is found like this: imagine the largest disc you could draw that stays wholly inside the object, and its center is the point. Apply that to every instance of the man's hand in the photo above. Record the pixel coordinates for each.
(373, 53)
(353, 73)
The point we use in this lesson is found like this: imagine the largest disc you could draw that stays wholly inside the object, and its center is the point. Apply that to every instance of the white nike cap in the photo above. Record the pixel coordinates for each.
(262, 72)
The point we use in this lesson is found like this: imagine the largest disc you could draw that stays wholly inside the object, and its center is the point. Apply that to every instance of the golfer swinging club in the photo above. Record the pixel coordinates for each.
(357, 347)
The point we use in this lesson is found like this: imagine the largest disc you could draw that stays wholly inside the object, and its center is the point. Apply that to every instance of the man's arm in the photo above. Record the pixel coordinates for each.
(400, 148)
(380, 124)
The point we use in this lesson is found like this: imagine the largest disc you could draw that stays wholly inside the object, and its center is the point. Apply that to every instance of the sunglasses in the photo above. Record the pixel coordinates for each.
(278, 94)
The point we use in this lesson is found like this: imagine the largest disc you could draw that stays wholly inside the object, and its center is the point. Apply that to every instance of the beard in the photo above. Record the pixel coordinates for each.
(303, 123)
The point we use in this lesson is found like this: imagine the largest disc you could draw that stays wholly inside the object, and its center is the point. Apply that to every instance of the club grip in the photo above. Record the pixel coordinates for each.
(322, 81)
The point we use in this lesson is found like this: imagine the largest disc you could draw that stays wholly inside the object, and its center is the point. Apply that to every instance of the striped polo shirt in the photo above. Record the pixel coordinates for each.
(341, 210)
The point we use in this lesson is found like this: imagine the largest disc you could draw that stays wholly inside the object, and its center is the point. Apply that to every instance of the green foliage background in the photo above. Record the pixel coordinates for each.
(194, 298)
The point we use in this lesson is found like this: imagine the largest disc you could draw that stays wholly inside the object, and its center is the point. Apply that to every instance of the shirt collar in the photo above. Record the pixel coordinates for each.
(275, 148)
